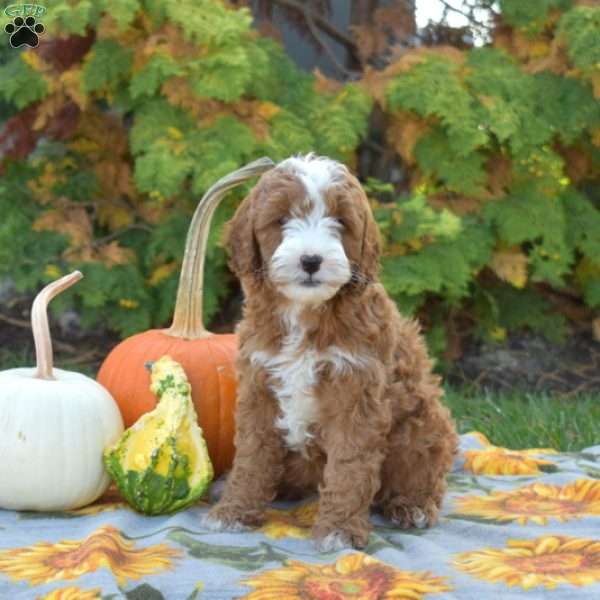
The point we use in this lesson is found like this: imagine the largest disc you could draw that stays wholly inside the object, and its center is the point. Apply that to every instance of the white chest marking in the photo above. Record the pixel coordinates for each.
(294, 375)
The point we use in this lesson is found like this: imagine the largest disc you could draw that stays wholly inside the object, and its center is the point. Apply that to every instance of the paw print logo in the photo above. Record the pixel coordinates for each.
(24, 32)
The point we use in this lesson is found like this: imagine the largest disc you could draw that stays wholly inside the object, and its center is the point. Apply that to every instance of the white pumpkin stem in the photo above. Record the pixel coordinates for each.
(39, 323)
(187, 319)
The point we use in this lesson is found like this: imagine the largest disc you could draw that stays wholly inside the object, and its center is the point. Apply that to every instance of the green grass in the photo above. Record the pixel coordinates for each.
(522, 420)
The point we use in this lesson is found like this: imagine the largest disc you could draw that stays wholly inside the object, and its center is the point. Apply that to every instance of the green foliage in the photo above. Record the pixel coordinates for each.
(435, 88)
(506, 99)
(462, 174)
(209, 23)
(156, 71)
(567, 105)
(501, 146)
(73, 17)
(531, 15)
(508, 308)
(495, 138)
(583, 224)
(106, 64)
(169, 101)
(591, 292)
(445, 264)
(20, 84)
(581, 28)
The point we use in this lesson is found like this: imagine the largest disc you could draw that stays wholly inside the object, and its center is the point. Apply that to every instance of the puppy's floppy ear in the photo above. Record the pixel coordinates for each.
(369, 261)
(370, 247)
(240, 240)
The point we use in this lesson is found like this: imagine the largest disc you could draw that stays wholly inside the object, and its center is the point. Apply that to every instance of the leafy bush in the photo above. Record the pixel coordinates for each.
(505, 139)
(135, 107)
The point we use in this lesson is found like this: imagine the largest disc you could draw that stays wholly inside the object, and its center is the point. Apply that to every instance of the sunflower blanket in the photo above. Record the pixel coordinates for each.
(515, 524)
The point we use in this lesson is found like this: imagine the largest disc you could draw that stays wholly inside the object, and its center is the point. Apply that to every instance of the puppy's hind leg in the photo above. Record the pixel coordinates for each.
(414, 473)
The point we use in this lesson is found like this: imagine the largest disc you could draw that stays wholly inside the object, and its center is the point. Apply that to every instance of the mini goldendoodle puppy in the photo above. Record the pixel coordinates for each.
(336, 393)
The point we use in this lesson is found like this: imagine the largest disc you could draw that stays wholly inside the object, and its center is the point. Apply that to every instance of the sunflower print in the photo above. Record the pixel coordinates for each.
(95, 509)
(545, 561)
(352, 576)
(480, 437)
(295, 523)
(495, 460)
(45, 562)
(537, 503)
(72, 593)
(110, 501)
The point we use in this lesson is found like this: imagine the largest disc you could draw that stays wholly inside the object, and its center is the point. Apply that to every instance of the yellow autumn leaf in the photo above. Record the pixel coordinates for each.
(113, 216)
(510, 266)
(586, 270)
(161, 273)
(41, 187)
(404, 133)
(128, 303)
(497, 333)
(34, 60)
(115, 178)
(114, 254)
(596, 328)
(72, 221)
(46, 111)
(52, 271)
(324, 85)
(178, 92)
(267, 110)
(83, 146)
(174, 133)
(70, 81)
(396, 249)
(527, 46)
(596, 84)
(415, 243)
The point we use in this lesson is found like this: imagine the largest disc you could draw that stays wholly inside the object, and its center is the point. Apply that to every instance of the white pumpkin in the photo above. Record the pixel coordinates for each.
(54, 427)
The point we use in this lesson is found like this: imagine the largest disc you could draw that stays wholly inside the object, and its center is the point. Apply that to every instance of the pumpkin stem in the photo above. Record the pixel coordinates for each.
(187, 319)
(39, 323)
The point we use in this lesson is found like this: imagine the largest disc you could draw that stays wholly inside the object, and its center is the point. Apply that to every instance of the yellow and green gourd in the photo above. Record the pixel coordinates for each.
(161, 463)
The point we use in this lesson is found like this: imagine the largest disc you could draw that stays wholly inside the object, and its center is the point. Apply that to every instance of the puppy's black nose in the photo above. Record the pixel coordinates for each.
(311, 262)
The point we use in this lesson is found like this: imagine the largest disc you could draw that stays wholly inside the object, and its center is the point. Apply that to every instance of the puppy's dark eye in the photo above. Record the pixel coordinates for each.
(282, 221)
(340, 221)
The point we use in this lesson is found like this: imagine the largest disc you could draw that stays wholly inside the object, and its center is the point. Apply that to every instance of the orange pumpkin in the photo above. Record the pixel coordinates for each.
(208, 359)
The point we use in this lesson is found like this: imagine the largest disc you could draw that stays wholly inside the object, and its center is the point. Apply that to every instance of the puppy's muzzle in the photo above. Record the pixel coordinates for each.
(311, 263)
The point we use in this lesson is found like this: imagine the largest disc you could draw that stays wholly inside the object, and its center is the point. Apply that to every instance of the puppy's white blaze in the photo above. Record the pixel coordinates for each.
(313, 233)
(294, 373)
(316, 172)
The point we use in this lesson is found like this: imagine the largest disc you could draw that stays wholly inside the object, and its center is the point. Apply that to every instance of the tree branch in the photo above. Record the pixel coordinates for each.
(320, 22)
(467, 15)
(332, 57)
(115, 234)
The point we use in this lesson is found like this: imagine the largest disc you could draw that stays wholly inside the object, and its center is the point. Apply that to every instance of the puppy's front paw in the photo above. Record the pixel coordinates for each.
(224, 518)
(336, 540)
(331, 540)
(216, 524)
(407, 517)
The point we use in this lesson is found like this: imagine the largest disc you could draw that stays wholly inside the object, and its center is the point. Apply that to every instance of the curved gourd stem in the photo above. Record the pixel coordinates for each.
(187, 319)
(39, 323)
